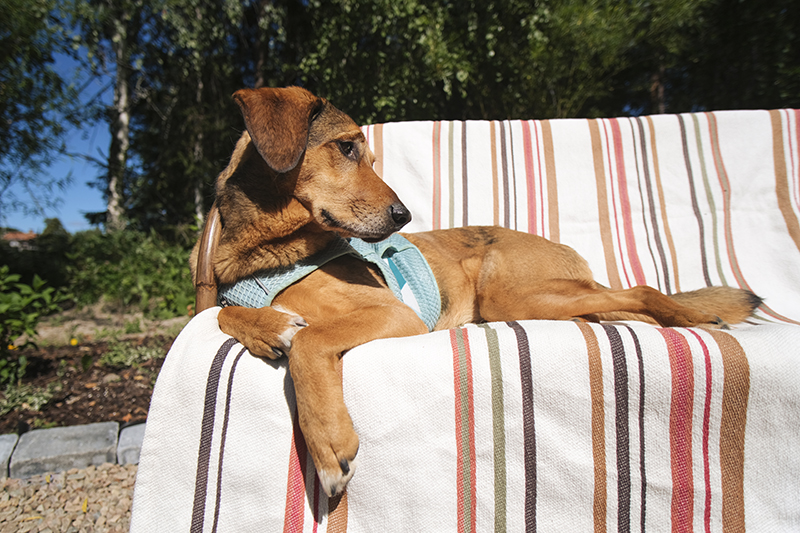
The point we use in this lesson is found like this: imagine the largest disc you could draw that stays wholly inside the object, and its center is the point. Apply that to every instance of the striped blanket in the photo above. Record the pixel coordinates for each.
(532, 425)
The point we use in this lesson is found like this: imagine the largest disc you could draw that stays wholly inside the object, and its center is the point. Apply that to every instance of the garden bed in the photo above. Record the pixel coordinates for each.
(88, 366)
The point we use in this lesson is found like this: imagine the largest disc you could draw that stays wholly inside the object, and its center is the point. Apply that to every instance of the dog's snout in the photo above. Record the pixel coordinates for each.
(400, 215)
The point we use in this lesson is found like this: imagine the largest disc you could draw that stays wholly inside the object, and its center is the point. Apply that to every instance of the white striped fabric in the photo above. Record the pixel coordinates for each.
(532, 425)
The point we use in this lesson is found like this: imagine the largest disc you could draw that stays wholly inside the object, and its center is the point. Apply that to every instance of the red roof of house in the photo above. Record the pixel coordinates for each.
(19, 236)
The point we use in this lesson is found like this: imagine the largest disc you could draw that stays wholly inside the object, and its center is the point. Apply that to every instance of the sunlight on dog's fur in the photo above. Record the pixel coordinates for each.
(301, 176)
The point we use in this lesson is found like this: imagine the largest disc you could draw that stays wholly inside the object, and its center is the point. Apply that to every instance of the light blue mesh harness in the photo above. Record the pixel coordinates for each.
(403, 267)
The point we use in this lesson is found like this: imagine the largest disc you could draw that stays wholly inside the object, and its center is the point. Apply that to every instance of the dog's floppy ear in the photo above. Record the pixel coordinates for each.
(278, 121)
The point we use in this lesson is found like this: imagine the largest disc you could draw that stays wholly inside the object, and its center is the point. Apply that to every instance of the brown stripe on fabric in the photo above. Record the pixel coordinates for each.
(506, 192)
(464, 181)
(782, 190)
(495, 185)
(552, 183)
(726, 189)
(650, 204)
(622, 428)
(378, 132)
(206, 435)
(337, 517)
(598, 426)
(648, 179)
(663, 205)
(602, 206)
(528, 426)
(226, 418)
(498, 427)
(642, 469)
(725, 185)
(695, 206)
(735, 396)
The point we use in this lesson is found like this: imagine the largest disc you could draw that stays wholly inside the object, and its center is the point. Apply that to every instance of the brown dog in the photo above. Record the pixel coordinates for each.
(300, 177)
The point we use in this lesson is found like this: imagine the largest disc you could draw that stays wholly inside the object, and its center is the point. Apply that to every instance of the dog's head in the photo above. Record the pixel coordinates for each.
(323, 153)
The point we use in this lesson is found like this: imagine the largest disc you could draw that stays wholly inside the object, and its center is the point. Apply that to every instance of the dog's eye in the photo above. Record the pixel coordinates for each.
(348, 149)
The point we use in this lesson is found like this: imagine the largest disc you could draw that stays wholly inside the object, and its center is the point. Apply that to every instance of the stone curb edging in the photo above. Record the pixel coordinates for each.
(40, 451)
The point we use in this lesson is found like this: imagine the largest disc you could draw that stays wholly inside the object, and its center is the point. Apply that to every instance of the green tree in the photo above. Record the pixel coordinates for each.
(743, 55)
(37, 105)
(184, 122)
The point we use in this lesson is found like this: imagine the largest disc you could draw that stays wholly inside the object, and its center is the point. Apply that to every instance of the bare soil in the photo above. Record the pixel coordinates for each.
(67, 364)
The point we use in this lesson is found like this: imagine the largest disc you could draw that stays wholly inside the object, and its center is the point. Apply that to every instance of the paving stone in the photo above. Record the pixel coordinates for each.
(130, 444)
(58, 449)
(7, 444)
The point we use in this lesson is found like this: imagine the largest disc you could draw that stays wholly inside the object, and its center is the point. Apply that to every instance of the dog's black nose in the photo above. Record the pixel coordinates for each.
(400, 215)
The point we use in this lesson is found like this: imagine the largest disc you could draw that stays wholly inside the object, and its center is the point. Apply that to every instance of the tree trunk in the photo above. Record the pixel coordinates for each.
(261, 45)
(120, 130)
(198, 156)
(657, 96)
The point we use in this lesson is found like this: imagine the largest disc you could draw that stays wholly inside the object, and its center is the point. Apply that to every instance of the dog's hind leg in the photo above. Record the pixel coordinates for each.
(565, 299)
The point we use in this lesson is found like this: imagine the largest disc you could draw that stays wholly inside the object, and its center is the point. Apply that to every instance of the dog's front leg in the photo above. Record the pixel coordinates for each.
(323, 417)
(316, 369)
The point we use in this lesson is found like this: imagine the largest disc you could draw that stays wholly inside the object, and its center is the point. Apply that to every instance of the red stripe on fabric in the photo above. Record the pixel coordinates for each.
(530, 179)
(630, 239)
(296, 486)
(614, 205)
(437, 176)
(471, 406)
(680, 429)
(459, 431)
(706, 423)
(462, 372)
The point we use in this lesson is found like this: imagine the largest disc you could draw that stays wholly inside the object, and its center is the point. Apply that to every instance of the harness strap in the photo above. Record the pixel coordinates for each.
(402, 264)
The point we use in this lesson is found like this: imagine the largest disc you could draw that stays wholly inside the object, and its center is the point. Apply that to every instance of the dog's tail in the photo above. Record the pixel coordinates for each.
(730, 304)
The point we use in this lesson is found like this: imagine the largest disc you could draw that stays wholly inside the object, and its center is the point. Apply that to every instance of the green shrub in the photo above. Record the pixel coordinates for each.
(24, 396)
(124, 355)
(21, 308)
(46, 257)
(131, 268)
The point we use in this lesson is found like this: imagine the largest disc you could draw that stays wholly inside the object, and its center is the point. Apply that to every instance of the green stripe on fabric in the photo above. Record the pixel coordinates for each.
(498, 428)
(710, 197)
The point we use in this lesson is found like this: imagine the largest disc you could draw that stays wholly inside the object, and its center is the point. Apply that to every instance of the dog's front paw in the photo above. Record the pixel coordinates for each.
(333, 449)
(283, 340)
(266, 332)
(333, 482)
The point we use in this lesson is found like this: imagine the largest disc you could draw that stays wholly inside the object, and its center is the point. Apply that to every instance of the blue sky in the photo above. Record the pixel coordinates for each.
(78, 198)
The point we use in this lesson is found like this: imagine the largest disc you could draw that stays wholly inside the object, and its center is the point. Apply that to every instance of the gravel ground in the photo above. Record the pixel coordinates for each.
(92, 500)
